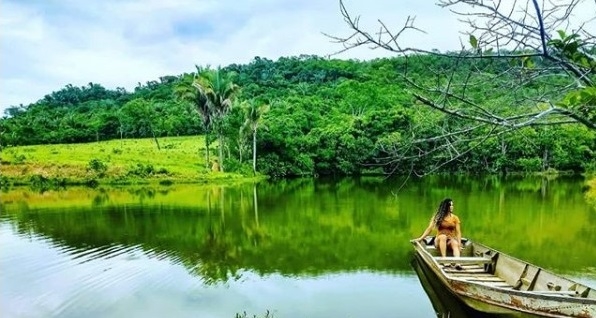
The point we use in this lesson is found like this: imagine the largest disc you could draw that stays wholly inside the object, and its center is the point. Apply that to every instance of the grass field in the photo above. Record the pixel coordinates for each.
(180, 160)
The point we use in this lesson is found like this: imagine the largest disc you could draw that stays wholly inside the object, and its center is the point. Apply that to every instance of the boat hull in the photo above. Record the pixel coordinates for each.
(448, 304)
(497, 283)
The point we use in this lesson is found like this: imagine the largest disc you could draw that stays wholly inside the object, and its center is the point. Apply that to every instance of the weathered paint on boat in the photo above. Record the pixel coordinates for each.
(493, 282)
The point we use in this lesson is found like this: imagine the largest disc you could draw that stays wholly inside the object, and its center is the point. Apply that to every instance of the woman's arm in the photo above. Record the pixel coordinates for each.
(431, 224)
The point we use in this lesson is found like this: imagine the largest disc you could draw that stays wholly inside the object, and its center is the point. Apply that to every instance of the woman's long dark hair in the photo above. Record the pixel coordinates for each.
(442, 211)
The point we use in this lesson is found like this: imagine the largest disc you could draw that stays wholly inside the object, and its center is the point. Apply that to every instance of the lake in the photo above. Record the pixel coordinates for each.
(291, 248)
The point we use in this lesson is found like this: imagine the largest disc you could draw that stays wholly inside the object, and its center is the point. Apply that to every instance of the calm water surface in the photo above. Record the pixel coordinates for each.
(302, 248)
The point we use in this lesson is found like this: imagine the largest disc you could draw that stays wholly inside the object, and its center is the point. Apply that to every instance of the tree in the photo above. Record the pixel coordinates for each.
(140, 117)
(187, 91)
(219, 90)
(554, 70)
(254, 114)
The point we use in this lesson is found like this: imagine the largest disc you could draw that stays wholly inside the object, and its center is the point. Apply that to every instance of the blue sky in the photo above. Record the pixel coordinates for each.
(47, 44)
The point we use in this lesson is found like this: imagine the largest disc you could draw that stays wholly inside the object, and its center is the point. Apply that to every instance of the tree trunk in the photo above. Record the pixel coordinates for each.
(240, 149)
(544, 160)
(503, 155)
(220, 151)
(155, 138)
(207, 150)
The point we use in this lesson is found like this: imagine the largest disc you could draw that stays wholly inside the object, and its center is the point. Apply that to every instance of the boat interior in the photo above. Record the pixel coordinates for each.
(486, 266)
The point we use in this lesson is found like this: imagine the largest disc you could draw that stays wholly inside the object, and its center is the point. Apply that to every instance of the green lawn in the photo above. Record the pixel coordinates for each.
(180, 159)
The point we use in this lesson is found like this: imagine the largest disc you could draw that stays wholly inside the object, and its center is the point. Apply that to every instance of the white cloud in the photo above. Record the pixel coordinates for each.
(46, 45)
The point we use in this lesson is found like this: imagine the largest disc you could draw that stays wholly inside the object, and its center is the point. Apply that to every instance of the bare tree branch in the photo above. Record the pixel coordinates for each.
(525, 58)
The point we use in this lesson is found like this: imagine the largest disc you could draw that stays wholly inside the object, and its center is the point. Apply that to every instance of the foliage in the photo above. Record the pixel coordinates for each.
(324, 117)
(521, 69)
(217, 91)
(97, 166)
(267, 314)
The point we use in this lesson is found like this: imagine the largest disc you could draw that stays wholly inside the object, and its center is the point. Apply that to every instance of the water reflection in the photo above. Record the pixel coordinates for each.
(41, 278)
(212, 245)
(350, 224)
(211, 242)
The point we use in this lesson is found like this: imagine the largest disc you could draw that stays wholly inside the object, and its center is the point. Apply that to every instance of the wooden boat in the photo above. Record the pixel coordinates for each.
(492, 282)
(444, 302)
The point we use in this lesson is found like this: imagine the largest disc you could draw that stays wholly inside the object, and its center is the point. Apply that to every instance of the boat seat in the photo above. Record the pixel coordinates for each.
(451, 271)
(464, 260)
(481, 278)
(495, 284)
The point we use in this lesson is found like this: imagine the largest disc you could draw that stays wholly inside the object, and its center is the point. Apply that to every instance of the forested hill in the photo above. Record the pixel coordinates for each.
(324, 117)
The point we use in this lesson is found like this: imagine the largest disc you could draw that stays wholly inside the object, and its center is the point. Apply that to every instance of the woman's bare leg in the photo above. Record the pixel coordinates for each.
(454, 244)
(441, 243)
(454, 247)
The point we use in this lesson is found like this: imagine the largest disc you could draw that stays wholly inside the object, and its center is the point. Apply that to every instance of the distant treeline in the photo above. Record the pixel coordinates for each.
(326, 117)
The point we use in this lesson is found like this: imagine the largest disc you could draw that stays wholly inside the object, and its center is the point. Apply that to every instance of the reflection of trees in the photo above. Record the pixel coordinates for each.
(227, 232)
(311, 227)
(256, 205)
(100, 199)
(221, 253)
(591, 193)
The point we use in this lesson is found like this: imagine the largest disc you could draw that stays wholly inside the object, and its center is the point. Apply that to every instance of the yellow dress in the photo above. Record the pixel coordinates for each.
(448, 226)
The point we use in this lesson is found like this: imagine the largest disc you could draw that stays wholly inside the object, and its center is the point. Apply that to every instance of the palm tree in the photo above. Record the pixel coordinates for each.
(219, 91)
(254, 119)
(186, 91)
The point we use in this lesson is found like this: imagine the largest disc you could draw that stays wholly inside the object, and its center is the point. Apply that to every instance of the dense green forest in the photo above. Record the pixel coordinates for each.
(304, 115)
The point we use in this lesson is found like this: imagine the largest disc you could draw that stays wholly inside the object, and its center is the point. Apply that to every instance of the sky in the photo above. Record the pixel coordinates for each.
(47, 44)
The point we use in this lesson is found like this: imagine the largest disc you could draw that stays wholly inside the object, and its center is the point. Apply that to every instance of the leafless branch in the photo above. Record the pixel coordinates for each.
(532, 87)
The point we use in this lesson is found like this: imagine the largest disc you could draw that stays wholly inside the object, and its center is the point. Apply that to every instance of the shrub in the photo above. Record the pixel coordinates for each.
(268, 314)
(529, 164)
(98, 167)
(4, 182)
(141, 170)
(145, 170)
(233, 165)
(162, 171)
(41, 183)
(19, 159)
(589, 167)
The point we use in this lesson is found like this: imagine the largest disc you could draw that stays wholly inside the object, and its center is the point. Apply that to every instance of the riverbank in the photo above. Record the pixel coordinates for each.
(180, 160)
(115, 162)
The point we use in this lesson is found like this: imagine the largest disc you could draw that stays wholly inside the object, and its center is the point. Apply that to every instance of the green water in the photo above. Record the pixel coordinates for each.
(299, 248)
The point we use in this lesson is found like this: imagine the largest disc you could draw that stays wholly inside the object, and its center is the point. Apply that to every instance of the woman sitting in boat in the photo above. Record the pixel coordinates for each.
(448, 229)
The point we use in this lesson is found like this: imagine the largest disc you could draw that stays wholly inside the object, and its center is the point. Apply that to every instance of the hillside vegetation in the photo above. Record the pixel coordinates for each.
(305, 115)
(127, 161)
